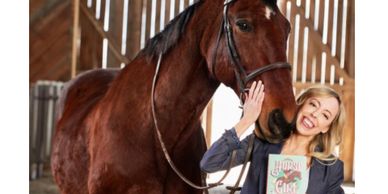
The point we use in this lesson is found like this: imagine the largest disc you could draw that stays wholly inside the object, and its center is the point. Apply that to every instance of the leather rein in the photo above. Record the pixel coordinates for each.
(242, 78)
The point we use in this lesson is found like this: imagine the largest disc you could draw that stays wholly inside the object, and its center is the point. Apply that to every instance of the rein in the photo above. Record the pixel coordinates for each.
(166, 155)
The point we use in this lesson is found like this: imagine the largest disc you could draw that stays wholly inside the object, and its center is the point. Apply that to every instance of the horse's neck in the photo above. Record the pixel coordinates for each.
(184, 84)
(183, 90)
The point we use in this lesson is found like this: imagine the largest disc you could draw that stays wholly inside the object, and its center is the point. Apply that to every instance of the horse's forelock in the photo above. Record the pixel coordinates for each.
(270, 3)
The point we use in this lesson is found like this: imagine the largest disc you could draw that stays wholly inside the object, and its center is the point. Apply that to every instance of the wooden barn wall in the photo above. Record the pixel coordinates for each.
(50, 40)
(321, 51)
(111, 33)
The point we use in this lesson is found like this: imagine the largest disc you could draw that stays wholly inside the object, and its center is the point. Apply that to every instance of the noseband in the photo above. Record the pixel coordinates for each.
(242, 77)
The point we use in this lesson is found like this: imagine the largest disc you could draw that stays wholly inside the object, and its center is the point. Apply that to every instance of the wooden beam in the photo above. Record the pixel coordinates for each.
(339, 88)
(347, 145)
(74, 49)
(209, 116)
(100, 30)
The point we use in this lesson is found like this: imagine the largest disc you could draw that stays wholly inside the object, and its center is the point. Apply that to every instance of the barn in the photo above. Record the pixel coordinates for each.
(69, 37)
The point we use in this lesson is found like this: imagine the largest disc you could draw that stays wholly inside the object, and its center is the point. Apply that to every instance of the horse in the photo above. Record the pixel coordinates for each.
(105, 140)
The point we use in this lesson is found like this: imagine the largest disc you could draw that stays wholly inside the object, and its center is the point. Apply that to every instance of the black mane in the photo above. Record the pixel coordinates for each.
(170, 35)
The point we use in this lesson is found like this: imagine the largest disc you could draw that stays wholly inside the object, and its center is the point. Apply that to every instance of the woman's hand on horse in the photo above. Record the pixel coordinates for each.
(252, 107)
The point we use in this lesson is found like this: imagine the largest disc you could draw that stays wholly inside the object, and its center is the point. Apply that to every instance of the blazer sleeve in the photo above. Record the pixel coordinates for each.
(219, 154)
(337, 178)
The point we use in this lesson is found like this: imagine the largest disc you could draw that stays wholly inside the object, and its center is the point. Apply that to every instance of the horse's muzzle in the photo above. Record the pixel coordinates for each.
(278, 126)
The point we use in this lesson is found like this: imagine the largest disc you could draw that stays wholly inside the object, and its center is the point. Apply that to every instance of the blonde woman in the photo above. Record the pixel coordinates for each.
(319, 121)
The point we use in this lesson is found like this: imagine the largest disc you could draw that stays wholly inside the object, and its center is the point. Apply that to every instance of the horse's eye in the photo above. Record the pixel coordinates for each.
(244, 26)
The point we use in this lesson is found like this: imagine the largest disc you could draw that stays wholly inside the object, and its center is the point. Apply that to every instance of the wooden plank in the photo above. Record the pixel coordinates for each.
(148, 20)
(167, 12)
(321, 15)
(54, 54)
(347, 147)
(209, 116)
(43, 34)
(291, 40)
(177, 3)
(134, 28)
(74, 50)
(36, 6)
(301, 38)
(90, 51)
(350, 41)
(42, 10)
(349, 88)
(115, 30)
(157, 16)
(339, 29)
(310, 55)
(329, 38)
(186, 3)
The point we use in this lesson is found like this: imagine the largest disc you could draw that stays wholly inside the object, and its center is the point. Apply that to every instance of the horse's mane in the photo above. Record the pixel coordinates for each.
(167, 38)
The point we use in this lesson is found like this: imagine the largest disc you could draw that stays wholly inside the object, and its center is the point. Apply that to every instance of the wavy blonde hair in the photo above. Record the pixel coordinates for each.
(323, 145)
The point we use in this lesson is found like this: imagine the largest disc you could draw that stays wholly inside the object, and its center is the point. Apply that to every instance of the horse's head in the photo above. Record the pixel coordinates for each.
(257, 38)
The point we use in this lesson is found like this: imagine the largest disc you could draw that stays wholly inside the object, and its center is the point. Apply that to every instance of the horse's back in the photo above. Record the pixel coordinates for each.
(70, 158)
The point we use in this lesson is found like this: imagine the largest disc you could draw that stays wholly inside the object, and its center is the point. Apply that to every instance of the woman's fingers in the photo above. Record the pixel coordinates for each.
(251, 90)
(260, 94)
(257, 90)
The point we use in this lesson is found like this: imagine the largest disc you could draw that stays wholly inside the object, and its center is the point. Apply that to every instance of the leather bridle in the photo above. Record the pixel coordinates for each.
(242, 79)
(241, 75)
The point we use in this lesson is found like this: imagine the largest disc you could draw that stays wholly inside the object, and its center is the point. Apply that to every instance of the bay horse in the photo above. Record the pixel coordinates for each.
(105, 141)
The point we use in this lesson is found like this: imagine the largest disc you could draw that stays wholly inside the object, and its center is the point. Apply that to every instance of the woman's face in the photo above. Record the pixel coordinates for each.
(316, 115)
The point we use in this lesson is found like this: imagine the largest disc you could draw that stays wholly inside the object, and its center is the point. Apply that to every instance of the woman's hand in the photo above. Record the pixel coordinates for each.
(252, 107)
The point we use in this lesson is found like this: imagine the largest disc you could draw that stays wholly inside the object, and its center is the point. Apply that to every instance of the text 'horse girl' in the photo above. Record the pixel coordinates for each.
(106, 140)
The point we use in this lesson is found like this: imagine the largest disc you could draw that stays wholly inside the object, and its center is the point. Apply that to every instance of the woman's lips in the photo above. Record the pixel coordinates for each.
(307, 122)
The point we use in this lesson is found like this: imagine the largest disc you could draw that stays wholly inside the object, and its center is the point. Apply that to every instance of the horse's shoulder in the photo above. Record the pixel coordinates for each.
(89, 84)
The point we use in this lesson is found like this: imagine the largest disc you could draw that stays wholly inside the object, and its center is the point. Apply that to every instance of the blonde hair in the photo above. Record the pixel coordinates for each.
(322, 146)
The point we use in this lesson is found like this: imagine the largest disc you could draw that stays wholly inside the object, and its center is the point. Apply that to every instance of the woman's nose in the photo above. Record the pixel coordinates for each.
(315, 114)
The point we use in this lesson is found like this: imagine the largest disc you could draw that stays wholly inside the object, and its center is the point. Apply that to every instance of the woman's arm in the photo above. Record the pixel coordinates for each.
(220, 153)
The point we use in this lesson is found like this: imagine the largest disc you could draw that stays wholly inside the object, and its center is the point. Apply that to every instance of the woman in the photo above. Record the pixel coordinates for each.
(319, 121)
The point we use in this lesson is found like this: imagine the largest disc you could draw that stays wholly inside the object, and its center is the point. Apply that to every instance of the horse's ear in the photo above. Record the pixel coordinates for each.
(270, 3)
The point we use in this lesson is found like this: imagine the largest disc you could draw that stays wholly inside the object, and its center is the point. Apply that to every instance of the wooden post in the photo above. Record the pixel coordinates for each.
(347, 147)
(209, 113)
(75, 38)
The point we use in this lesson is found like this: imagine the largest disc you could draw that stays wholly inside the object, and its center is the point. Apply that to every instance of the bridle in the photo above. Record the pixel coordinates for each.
(241, 75)
(242, 79)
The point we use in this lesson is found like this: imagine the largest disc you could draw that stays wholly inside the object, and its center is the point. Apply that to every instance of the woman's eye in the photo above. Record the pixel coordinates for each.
(325, 115)
(244, 26)
(312, 104)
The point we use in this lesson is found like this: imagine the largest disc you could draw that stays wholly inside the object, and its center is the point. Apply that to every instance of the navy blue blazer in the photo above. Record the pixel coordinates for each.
(323, 178)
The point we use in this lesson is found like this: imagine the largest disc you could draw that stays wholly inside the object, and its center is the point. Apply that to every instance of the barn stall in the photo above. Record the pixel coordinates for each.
(70, 37)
